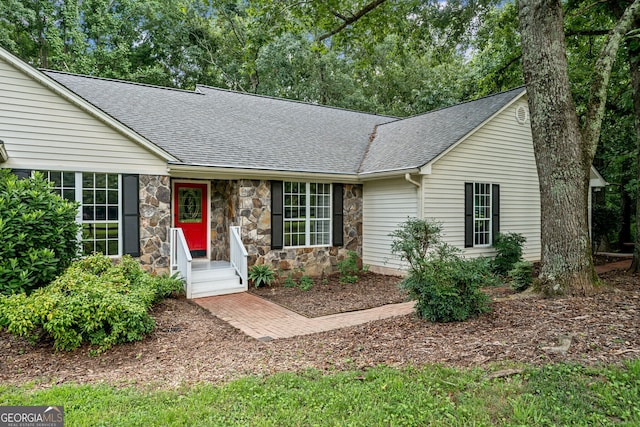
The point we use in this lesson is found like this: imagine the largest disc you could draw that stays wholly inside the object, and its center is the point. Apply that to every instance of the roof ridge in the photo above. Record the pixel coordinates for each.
(296, 101)
(87, 76)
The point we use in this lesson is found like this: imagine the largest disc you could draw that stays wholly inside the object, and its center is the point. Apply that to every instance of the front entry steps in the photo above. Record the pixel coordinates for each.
(211, 278)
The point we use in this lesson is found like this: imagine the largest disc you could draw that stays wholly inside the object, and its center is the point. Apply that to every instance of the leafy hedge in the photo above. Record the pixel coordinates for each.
(39, 233)
(95, 301)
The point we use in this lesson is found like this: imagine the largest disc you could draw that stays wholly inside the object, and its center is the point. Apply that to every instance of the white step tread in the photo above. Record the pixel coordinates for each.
(218, 274)
(214, 278)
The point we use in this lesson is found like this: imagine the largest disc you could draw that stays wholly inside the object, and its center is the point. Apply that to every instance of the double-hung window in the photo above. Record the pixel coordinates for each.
(101, 213)
(99, 195)
(307, 214)
(482, 213)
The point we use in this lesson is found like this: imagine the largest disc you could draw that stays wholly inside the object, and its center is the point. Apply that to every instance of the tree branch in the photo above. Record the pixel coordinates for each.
(348, 21)
(601, 75)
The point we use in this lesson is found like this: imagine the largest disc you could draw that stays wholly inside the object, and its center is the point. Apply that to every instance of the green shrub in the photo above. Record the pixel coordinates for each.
(305, 283)
(446, 286)
(509, 251)
(413, 240)
(521, 275)
(94, 301)
(349, 269)
(261, 274)
(289, 281)
(39, 233)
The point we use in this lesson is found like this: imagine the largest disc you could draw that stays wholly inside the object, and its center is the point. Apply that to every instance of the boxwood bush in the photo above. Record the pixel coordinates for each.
(39, 233)
(95, 301)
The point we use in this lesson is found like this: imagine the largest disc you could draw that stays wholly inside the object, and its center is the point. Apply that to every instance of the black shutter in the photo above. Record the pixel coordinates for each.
(468, 214)
(130, 215)
(277, 202)
(338, 216)
(495, 211)
(21, 173)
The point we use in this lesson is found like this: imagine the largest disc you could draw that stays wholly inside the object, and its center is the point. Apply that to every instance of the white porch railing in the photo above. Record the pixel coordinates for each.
(181, 258)
(238, 254)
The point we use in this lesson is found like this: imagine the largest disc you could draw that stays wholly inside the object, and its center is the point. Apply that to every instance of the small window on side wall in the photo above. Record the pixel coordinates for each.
(482, 213)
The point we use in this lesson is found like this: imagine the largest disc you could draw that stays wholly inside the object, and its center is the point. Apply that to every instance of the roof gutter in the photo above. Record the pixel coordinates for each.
(387, 174)
(208, 172)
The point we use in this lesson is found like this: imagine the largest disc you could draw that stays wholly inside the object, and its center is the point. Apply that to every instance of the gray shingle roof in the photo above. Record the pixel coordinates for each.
(213, 127)
(415, 141)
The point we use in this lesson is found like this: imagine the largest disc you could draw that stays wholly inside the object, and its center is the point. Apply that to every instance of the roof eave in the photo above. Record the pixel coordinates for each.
(390, 173)
(230, 172)
(597, 180)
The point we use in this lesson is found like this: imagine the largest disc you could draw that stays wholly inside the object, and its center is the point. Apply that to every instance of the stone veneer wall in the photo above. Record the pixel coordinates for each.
(155, 222)
(223, 213)
(246, 203)
(254, 216)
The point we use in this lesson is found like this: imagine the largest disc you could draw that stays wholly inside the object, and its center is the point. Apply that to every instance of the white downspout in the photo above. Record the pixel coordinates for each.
(407, 177)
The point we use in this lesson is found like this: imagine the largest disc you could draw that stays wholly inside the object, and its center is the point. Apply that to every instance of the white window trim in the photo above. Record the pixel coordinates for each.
(307, 237)
(489, 221)
(78, 198)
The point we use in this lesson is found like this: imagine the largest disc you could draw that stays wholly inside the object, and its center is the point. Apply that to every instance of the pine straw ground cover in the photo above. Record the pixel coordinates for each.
(190, 345)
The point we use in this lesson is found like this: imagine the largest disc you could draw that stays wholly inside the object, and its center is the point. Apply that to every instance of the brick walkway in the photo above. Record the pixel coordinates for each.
(266, 321)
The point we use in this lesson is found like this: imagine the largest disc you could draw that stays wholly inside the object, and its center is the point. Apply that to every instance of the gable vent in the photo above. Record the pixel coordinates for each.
(522, 114)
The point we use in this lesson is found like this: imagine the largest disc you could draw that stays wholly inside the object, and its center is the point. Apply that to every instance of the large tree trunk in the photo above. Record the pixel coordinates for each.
(562, 160)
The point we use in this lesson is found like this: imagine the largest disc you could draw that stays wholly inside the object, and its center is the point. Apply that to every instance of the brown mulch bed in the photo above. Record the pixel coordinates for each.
(329, 296)
(190, 345)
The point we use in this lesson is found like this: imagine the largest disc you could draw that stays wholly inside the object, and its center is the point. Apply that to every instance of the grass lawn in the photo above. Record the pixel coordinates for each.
(561, 394)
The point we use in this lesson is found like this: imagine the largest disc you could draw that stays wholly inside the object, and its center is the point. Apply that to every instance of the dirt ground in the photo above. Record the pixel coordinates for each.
(329, 296)
(190, 345)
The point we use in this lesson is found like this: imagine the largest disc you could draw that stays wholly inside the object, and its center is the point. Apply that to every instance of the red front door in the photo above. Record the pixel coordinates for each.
(190, 214)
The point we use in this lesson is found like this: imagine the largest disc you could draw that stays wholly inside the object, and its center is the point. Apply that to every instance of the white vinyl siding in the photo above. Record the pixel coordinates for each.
(501, 152)
(386, 204)
(42, 130)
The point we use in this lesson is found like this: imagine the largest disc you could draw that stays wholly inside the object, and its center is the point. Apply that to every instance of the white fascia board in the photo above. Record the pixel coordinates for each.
(398, 173)
(426, 169)
(81, 103)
